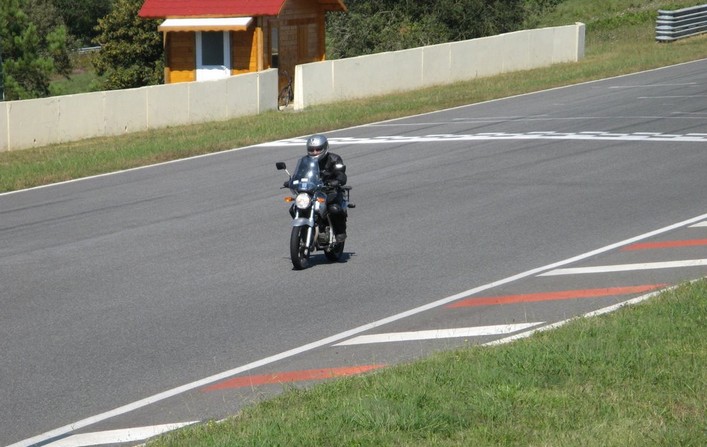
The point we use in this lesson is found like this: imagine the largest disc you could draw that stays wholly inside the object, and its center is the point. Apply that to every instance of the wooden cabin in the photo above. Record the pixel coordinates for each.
(213, 39)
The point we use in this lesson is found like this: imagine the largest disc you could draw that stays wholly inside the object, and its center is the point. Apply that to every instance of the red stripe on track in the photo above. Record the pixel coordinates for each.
(291, 376)
(552, 296)
(665, 244)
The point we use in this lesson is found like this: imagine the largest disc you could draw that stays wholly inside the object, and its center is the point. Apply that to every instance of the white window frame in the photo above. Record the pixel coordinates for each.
(211, 72)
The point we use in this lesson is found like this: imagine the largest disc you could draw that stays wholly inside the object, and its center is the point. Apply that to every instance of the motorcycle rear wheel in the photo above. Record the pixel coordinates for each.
(299, 252)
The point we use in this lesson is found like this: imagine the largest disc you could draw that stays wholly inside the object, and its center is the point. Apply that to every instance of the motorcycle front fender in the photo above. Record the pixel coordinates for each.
(302, 221)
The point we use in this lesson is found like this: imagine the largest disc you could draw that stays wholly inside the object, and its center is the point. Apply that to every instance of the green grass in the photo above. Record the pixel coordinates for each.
(78, 82)
(617, 43)
(83, 78)
(636, 377)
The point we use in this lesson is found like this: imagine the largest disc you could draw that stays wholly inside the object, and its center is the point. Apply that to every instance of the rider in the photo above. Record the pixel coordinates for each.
(333, 172)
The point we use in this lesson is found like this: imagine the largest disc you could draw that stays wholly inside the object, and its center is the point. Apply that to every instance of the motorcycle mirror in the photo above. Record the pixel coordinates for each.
(280, 165)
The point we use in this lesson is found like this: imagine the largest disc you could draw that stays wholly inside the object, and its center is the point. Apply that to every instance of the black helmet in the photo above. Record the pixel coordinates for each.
(317, 146)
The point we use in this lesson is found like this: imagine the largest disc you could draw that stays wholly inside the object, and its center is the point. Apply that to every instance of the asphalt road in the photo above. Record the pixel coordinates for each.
(118, 288)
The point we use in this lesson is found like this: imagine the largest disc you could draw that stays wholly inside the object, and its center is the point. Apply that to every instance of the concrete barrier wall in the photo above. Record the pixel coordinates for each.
(40, 122)
(4, 129)
(378, 74)
(125, 111)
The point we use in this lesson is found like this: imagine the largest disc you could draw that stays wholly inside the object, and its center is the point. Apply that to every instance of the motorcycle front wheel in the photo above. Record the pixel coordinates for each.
(299, 252)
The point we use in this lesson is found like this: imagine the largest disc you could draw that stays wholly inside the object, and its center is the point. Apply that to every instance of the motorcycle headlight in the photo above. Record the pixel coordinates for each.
(303, 201)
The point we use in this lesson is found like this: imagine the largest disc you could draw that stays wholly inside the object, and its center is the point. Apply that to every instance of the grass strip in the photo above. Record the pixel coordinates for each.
(636, 377)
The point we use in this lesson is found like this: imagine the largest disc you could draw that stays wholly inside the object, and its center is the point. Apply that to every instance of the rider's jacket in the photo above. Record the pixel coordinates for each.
(332, 167)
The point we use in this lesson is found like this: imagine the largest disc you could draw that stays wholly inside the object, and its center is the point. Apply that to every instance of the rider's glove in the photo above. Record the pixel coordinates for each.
(286, 184)
(333, 183)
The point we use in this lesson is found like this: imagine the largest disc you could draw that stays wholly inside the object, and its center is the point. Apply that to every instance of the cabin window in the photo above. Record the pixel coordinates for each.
(212, 48)
(213, 55)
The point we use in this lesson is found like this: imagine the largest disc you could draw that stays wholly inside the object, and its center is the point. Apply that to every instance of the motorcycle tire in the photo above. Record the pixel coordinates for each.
(299, 252)
(336, 252)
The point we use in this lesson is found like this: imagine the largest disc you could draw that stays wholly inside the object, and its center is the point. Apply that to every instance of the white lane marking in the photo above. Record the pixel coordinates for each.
(117, 436)
(485, 136)
(539, 118)
(651, 85)
(699, 224)
(438, 334)
(672, 97)
(627, 267)
(336, 338)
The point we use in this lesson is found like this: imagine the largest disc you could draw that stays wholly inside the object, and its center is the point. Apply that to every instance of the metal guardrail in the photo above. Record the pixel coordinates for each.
(681, 23)
(88, 49)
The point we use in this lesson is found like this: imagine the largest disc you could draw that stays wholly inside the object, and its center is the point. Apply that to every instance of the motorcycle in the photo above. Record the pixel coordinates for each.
(311, 222)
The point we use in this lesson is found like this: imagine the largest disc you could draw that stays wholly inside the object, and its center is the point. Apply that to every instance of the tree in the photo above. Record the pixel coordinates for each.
(81, 17)
(53, 35)
(26, 69)
(373, 26)
(2, 75)
(131, 48)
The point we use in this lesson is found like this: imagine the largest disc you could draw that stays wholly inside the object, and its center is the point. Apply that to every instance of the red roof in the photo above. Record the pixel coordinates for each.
(220, 8)
(210, 8)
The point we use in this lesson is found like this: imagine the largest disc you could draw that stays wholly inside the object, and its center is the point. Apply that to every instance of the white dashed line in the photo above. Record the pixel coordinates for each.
(437, 334)
(116, 436)
(626, 267)
(543, 135)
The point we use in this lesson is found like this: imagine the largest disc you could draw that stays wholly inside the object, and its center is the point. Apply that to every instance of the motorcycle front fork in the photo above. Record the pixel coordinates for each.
(310, 229)
(311, 233)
